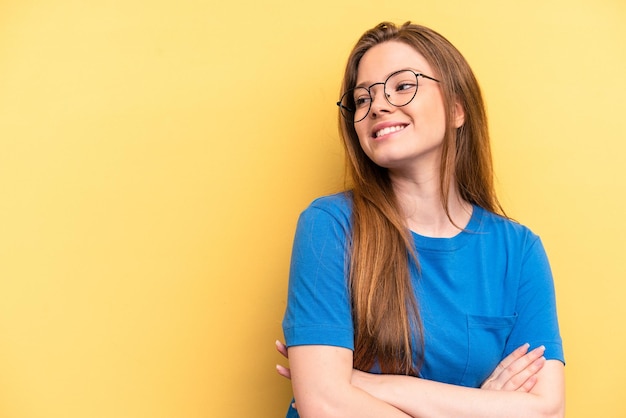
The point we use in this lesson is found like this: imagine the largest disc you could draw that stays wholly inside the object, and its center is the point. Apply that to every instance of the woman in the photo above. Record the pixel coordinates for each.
(413, 294)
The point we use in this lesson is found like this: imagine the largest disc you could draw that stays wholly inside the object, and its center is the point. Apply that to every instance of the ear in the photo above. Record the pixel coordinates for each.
(459, 114)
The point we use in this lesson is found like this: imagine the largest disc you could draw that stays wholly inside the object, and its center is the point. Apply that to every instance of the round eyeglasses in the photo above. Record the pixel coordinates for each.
(399, 88)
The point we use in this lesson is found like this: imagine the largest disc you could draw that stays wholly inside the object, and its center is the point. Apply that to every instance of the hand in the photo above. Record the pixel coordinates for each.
(282, 370)
(518, 371)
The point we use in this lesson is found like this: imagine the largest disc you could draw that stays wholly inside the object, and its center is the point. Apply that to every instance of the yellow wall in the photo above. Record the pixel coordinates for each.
(154, 156)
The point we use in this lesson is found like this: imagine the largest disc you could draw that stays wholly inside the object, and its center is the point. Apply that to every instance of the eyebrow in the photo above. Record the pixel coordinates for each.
(368, 84)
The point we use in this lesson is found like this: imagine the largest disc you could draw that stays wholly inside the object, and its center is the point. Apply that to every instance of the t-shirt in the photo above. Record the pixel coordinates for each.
(481, 294)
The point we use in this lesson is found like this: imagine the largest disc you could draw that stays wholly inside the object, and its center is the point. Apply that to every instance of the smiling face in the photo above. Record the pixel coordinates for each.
(407, 137)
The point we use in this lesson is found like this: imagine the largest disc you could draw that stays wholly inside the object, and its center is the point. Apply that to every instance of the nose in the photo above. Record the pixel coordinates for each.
(380, 104)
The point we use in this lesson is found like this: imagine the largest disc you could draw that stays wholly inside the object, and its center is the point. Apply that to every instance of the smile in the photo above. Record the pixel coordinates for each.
(388, 130)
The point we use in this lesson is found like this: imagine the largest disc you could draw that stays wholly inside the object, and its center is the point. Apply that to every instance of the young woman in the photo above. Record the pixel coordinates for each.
(412, 294)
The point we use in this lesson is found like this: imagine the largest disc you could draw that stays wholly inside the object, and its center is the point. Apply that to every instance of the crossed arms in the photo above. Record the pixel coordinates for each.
(325, 385)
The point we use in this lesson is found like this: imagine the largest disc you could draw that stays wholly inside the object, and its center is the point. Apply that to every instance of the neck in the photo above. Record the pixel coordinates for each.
(420, 200)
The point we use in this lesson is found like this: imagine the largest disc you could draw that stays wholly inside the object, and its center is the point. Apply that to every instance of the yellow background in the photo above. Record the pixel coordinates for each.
(154, 156)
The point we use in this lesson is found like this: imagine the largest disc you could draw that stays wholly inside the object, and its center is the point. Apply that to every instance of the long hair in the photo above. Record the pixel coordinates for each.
(388, 326)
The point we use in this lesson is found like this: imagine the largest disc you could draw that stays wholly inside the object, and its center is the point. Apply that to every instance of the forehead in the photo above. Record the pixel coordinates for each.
(385, 58)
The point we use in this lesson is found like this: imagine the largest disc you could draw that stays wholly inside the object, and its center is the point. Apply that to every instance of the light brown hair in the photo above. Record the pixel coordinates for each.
(385, 312)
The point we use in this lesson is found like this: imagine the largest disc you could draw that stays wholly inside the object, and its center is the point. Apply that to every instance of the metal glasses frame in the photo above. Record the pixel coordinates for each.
(348, 113)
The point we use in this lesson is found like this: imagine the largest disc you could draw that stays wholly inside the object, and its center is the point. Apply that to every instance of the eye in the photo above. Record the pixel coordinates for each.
(406, 87)
(362, 100)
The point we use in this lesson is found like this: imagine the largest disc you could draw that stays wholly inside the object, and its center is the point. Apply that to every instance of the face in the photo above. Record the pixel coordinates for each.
(407, 137)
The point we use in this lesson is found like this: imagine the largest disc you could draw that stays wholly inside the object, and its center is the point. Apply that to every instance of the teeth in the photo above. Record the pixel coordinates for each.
(388, 130)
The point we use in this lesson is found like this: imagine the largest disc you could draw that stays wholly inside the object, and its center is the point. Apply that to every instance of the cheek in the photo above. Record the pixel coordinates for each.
(360, 131)
(363, 137)
(436, 120)
(365, 144)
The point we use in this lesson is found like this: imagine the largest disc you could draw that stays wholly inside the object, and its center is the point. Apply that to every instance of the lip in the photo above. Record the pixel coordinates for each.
(383, 125)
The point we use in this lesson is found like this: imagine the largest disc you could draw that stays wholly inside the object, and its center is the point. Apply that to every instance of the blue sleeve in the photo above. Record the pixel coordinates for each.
(537, 322)
(318, 304)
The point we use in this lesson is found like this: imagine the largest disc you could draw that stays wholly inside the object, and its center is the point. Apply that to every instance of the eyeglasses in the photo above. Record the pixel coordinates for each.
(399, 88)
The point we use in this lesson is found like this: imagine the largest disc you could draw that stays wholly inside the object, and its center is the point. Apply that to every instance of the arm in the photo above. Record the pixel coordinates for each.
(318, 322)
(420, 397)
(517, 372)
(321, 380)
(537, 322)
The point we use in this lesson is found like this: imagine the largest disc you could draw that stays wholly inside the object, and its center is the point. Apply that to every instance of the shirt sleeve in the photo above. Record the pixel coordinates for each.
(537, 322)
(318, 304)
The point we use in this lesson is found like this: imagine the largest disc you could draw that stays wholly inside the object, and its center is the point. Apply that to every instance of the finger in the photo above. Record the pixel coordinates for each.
(508, 378)
(282, 348)
(519, 380)
(506, 362)
(522, 363)
(517, 354)
(283, 371)
(528, 384)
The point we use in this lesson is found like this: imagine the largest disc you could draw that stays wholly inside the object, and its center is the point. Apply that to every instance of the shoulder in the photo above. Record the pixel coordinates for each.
(506, 231)
(338, 202)
(492, 222)
(336, 206)
(327, 217)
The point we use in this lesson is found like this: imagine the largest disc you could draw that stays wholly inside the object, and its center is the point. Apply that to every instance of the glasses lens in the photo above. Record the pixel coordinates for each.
(401, 87)
(355, 104)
